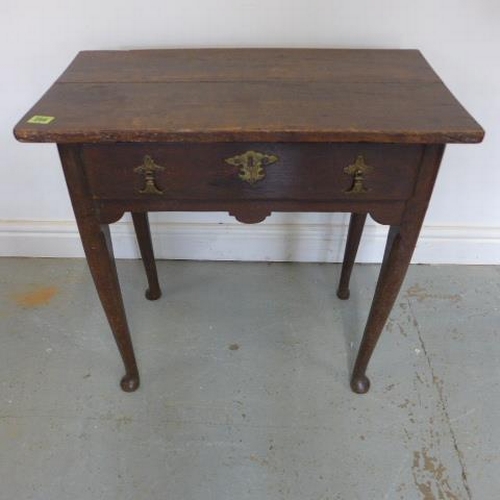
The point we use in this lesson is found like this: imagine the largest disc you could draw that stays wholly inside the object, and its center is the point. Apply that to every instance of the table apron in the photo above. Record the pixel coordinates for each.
(232, 172)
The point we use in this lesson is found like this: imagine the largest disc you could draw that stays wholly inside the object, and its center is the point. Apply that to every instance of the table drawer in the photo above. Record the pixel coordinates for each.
(252, 171)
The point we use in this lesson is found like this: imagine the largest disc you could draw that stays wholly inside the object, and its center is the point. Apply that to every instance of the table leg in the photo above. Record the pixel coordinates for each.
(400, 245)
(96, 241)
(142, 230)
(99, 251)
(399, 249)
(356, 226)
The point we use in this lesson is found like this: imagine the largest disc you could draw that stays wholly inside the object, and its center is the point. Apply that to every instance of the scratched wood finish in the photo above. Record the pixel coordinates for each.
(190, 110)
(250, 95)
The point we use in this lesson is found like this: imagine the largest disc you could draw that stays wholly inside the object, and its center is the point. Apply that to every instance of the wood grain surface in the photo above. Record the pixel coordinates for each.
(271, 95)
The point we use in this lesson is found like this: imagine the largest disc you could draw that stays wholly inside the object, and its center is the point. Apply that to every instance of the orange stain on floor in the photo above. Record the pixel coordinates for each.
(39, 297)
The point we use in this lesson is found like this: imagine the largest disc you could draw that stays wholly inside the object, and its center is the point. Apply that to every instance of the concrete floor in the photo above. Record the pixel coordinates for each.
(244, 391)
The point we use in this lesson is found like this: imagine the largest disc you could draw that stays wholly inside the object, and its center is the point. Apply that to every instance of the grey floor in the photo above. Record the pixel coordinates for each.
(244, 391)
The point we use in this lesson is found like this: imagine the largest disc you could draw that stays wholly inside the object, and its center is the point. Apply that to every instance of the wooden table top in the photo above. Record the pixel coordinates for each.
(272, 95)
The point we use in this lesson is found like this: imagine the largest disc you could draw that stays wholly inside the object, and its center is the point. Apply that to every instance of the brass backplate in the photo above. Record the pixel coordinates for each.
(358, 170)
(251, 165)
(149, 169)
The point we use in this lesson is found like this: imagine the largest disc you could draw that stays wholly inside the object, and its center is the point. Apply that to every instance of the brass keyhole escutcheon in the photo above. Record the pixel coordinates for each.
(358, 170)
(149, 169)
(251, 165)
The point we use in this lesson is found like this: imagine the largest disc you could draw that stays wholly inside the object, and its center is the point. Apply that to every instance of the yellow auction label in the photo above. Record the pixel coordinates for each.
(41, 119)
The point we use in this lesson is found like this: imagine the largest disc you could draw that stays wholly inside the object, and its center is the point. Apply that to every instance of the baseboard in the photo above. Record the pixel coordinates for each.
(259, 242)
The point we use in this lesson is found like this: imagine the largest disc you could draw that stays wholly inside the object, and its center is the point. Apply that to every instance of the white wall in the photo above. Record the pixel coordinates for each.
(460, 38)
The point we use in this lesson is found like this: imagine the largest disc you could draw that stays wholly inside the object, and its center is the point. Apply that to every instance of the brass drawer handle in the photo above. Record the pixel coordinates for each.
(149, 169)
(358, 170)
(252, 165)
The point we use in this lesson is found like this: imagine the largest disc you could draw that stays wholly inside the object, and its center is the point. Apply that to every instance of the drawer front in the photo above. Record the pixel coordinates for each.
(251, 171)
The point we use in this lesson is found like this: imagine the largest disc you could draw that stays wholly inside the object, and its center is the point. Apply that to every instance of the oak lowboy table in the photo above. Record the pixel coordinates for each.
(249, 132)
